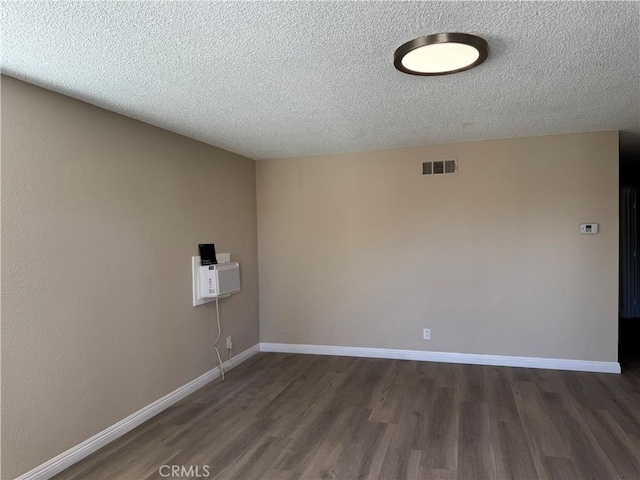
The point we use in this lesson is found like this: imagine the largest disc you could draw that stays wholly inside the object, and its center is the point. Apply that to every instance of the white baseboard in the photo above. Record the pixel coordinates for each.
(448, 357)
(86, 448)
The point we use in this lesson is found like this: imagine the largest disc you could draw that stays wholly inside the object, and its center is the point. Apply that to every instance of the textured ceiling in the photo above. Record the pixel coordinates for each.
(282, 79)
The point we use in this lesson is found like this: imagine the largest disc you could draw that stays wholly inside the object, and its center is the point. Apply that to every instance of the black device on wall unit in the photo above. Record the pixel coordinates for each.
(207, 254)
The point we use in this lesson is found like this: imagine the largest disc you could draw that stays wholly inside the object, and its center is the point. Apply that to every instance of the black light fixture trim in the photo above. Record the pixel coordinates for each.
(478, 43)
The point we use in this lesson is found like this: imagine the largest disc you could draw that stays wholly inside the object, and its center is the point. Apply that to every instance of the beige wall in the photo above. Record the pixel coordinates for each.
(362, 250)
(100, 216)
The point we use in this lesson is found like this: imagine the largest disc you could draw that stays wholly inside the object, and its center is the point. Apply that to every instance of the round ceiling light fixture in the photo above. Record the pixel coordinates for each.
(441, 54)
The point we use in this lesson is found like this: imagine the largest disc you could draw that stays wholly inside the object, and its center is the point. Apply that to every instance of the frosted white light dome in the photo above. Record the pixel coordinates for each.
(441, 54)
(440, 57)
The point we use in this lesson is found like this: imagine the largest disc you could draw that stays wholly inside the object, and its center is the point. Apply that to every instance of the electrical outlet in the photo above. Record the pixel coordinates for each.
(426, 334)
(229, 343)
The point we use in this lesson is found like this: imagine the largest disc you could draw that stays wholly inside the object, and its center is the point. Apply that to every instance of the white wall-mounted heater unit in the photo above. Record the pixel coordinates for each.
(214, 281)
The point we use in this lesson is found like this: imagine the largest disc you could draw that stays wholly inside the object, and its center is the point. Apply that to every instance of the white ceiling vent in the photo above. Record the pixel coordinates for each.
(440, 167)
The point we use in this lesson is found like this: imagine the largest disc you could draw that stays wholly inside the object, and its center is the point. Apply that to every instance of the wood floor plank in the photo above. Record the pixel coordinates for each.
(106, 454)
(556, 468)
(274, 474)
(520, 374)
(620, 450)
(145, 467)
(286, 416)
(387, 402)
(324, 461)
(475, 451)
(588, 456)
(362, 382)
(127, 460)
(411, 433)
(375, 457)
(441, 448)
(437, 474)
(257, 460)
(443, 374)
(418, 400)
(500, 399)
(401, 465)
(472, 384)
(511, 451)
(542, 434)
(358, 449)
(585, 390)
(221, 454)
(313, 431)
(622, 401)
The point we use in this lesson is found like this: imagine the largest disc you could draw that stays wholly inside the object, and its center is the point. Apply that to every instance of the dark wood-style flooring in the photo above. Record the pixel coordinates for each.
(281, 416)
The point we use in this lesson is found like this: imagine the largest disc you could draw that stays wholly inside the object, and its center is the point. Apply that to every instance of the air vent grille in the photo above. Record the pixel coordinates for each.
(440, 167)
(450, 166)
